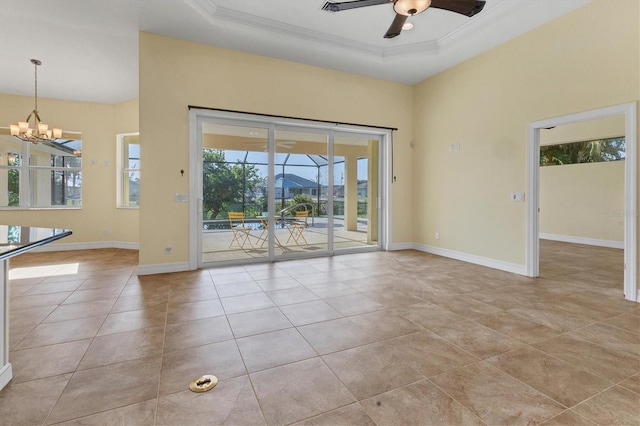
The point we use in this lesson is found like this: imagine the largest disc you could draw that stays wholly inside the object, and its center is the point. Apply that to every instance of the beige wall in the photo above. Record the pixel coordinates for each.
(585, 60)
(178, 73)
(98, 124)
(583, 200)
(601, 128)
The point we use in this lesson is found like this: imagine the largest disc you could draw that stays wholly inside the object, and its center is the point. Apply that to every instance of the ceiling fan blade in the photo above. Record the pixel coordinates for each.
(464, 7)
(346, 5)
(396, 26)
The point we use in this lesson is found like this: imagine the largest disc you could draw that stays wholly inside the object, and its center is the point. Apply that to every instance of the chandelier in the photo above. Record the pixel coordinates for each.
(40, 131)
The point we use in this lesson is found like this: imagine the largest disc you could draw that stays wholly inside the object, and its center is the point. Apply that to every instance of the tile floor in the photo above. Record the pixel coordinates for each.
(386, 338)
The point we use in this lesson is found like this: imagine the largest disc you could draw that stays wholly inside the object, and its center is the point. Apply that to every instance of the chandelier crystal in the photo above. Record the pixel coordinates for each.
(40, 131)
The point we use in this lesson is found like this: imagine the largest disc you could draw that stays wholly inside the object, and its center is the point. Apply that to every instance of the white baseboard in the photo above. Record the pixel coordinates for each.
(472, 258)
(88, 246)
(163, 268)
(6, 374)
(400, 246)
(582, 240)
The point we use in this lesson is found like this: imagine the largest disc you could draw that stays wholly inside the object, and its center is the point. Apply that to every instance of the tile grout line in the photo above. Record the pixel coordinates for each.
(235, 340)
(164, 339)
(76, 369)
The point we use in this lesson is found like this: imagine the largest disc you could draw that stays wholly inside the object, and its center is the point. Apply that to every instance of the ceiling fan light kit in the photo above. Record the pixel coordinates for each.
(406, 8)
(411, 7)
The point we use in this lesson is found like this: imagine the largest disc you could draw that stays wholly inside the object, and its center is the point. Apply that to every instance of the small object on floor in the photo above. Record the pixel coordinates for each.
(204, 383)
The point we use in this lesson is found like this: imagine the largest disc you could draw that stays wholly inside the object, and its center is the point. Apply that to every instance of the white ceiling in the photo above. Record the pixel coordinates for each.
(89, 48)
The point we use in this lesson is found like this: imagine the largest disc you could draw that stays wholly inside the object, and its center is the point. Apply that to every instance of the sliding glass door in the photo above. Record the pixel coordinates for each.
(271, 191)
(301, 189)
(356, 176)
(234, 192)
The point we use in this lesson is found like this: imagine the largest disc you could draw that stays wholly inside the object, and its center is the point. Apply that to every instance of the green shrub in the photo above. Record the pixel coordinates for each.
(302, 199)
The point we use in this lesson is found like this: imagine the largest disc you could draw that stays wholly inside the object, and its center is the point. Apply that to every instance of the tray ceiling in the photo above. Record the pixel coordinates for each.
(89, 48)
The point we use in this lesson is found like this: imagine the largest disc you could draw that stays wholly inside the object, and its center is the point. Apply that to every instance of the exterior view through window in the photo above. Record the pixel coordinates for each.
(592, 151)
(303, 199)
(44, 175)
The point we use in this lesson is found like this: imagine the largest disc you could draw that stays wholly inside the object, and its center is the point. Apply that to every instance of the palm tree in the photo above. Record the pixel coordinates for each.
(593, 151)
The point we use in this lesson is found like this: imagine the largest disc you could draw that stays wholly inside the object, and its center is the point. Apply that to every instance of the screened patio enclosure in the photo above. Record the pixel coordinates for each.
(308, 195)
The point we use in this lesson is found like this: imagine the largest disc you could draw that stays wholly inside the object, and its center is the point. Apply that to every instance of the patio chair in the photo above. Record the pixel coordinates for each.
(239, 229)
(296, 229)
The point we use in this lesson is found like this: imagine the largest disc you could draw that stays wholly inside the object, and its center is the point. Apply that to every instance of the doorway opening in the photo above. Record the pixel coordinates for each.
(629, 211)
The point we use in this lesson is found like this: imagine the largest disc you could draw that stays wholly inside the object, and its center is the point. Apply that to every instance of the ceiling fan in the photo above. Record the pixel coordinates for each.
(406, 8)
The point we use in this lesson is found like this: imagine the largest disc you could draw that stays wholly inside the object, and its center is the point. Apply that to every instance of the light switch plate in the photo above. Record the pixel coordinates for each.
(517, 197)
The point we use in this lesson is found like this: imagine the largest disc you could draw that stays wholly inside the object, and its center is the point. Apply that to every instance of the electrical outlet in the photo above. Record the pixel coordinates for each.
(168, 250)
(105, 231)
(436, 235)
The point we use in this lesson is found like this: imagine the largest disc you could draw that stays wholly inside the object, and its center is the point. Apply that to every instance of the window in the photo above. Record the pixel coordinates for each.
(128, 179)
(592, 151)
(51, 178)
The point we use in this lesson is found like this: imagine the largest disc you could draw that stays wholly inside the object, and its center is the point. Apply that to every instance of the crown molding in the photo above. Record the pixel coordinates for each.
(483, 18)
(217, 14)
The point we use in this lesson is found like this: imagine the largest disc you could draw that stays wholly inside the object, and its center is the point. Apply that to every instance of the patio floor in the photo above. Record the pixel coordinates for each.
(217, 245)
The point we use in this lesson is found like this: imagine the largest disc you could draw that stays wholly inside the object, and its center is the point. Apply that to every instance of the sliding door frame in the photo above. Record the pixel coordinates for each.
(199, 116)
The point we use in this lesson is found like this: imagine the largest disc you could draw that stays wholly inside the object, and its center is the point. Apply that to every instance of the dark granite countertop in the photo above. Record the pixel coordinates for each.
(19, 239)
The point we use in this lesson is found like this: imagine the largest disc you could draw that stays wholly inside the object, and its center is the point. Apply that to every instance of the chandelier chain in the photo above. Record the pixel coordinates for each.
(35, 64)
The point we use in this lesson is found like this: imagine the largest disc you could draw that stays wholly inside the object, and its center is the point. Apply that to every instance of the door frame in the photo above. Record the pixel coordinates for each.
(629, 111)
(198, 116)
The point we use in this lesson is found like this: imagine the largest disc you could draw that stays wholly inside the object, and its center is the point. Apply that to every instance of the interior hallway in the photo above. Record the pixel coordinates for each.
(377, 338)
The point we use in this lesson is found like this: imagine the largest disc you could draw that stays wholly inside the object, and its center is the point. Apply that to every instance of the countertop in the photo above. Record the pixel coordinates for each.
(19, 239)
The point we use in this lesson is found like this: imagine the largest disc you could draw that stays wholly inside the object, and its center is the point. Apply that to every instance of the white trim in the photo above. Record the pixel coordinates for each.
(5, 370)
(219, 16)
(629, 111)
(472, 258)
(532, 253)
(583, 240)
(120, 168)
(88, 246)
(6, 374)
(195, 185)
(400, 246)
(385, 194)
(163, 268)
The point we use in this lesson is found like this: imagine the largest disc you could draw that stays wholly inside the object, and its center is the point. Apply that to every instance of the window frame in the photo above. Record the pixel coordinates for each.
(122, 168)
(26, 182)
